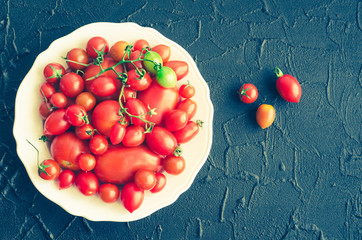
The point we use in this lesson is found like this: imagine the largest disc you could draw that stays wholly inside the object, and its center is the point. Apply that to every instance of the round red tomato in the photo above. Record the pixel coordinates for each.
(141, 44)
(49, 169)
(76, 115)
(137, 83)
(248, 93)
(66, 179)
(134, 56)
(56, 123)
(87, 183)
(187, 133)
(181, 68)
(174, 165)
(86, 100)
(105, 115)
(103, 86)
(176, 119)
(77, 59)
(84, 132)
(86, 162)
(97, 44)
(108, 192)
(58, 100)
(132, 196)
(145, 179)
(98, 144)
(187, 90)
(160, 182)
(189, 106)
(71, 84)
(53, 72)
(134, 136)
(161, 141)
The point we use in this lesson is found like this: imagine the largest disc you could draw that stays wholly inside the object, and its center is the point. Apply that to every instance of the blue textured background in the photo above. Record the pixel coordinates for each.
(299, 179)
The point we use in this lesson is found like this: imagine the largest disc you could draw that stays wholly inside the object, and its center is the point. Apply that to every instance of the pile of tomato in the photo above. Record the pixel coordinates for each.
(115, 119)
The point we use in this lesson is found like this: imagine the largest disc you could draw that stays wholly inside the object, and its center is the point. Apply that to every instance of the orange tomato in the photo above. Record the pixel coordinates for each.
(118, 50)
(265, 115)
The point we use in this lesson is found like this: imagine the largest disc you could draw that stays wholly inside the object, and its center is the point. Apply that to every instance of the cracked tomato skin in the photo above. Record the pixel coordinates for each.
(66, 148)
(119, 164)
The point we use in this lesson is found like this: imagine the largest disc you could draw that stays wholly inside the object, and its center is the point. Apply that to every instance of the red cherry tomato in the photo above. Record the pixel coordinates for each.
(248, 93)
(86, 162)
(136, 83)
(189, 106)
(181, 68)
(98, 144)
(134, 136)
(174, 165)
(76, 115)
(187, 133)
(145, 179)
(47, 90)
(265, 115)
(86, 100)
(134, 55)
(132, 196)
(117, 133)
(105, 115)
(96, 44)
(53, 72)
(128, 93)
(84, 132)
(176, 119)
(288, 87)
(103, 86)
(77, 55)
(161, 141)
(164, 52)
(136, 108)
(93, 70)
(49, 169)
(87, 183)
(141, 44)
(108, 192)
(58, 100)
(187, 90)
(160, 182)
(66, 179)
(45, 110)
(56, 123)
(71, 84)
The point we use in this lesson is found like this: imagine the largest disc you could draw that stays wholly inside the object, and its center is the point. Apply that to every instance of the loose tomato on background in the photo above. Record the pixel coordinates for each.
(47, 90)
(117, 51)
(187, 90)
(71, 84)
(77, 55)
(248, 93)
(189, 106)
(134, 136)
(136, 108)
(134, 55)
(76, 115)
(119, 164)
(288, 87)
(265, 115)
(145, 179)
(58, 100)
(105, 115)
(174, 165)
(181, 68)
(136, 83)
(96, 44)
(84, 132)
(108, 192)
(98, 144)
(176, 119)
(117, 133)
(86, 162)
(161, 141)
(53, 72)
(132, 196)
(87, 100)
(141, 44)
(164, 52)
(56, 123)
(187, 133)
(152, 62)
(163, 99)
(87, 183)
(65, 149)
(66, 179)
(166, 77)
(160, 182)
(103, 86)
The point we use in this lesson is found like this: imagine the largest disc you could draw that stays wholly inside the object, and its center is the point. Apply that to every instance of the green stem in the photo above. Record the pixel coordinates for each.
(41, 167)
(278, 72)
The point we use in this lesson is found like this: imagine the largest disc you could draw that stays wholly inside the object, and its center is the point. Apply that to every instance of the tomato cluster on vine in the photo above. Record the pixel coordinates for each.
(115, 119)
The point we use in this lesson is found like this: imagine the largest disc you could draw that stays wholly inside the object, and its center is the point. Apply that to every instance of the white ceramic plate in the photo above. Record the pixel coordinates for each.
(28, 125)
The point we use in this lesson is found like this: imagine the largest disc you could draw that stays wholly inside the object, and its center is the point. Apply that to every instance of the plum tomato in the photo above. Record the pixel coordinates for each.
(132, 196)
(98, 144)
(162, 50)
(71, 84)
(108, 192)
(76, 115)
(77, 59)
(248, 93)
(181, 68)
(166, 77)
(152, 62)
(53, 72)
(187, 133)
(145, 179)
(105, 115)
(189, 106)
(134, 136)
(117, 133)
(56, 123)
(47, 90)
(87, 183)
(128, 93)
(86, 162)
(86, 100)
(141, 44)
(134, 55)
(136, 107)
(187, 90)
(288, 87)
(58, 100)
(84, 132)
(136, 83)
(49, 169)
(161, 141)
(66, 179)
(45, 110)
(176, 119)
(97, 44)
(265, 115)
(174, 165)
(103, 86)
(117, 51)
(160, 182)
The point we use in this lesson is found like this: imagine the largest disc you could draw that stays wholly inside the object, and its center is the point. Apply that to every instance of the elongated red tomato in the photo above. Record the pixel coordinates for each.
(164, 52)
(176, 119)
(187, 133)
(136, 108)
(56, 123)
(134, 136)
(119, 164)
(189, 106)
(160, 182)
(132, 196)
(288, 87)
(103, 86)
(161, 141)
(117, 133)
(181, 68)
